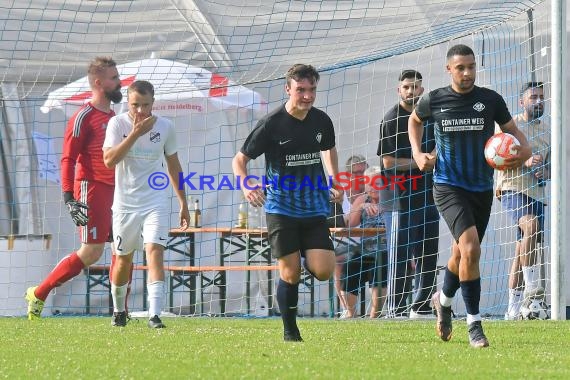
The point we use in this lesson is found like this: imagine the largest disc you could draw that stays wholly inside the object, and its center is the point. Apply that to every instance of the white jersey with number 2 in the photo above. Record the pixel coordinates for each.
(142, 172)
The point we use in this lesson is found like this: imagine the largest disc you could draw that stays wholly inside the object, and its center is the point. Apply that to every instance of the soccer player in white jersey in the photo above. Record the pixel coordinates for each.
(136, 145)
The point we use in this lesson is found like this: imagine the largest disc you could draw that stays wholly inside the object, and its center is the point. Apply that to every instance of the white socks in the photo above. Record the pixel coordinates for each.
(515, 299)
(531, 276)
(119, 294)
(473, 318)
(444, 300)
(155, 294)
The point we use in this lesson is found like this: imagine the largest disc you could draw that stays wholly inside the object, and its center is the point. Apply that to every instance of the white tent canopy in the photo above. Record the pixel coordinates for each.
(176, 86)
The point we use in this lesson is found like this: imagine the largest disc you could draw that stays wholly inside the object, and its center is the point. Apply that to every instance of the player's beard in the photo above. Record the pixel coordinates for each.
(466, 84)
(115, 96)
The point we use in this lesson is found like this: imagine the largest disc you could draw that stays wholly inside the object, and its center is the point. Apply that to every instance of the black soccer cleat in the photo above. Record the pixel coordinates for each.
(443, 325)
(477, 337)
(119, 319)
(294, 336)
(156, 323)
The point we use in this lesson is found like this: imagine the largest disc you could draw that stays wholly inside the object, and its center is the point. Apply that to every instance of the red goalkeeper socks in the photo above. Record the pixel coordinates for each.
(69, 267)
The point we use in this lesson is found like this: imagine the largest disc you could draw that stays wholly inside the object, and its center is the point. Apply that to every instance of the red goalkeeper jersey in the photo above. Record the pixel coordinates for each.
(82, 157)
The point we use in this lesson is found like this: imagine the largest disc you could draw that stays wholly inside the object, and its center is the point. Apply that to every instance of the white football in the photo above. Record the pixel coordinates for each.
(535, 309)
(499, 147)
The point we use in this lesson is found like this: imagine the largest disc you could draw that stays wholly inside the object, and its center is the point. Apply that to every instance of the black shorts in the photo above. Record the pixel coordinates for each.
(462, 209)
(288, 235)
(358, 270)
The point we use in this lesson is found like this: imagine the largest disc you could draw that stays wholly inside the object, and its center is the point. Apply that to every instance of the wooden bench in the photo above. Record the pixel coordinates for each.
(97, 276)
(11, 239)
(180, 277)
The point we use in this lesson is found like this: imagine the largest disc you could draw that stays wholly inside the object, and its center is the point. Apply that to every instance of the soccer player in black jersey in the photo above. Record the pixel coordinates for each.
(464, 119)
(297, 197)
(417, 227)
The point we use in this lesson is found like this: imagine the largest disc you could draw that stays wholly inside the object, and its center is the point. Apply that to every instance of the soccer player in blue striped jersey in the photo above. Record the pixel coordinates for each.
(296, 139)
(465, 117)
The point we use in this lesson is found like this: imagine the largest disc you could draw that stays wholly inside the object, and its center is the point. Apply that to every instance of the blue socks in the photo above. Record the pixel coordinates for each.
(471, 292)
(450, 283)
(287, 299)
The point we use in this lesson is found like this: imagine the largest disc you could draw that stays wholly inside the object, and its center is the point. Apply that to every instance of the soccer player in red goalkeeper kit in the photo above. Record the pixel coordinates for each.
(87, 184)
(464, 119)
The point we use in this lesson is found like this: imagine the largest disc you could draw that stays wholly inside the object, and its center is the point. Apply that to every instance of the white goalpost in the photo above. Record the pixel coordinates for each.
(559, 215)
(218, 67)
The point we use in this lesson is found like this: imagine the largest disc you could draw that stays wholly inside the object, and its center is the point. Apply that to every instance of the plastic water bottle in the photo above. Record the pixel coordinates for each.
(254, 217)
(242, 215)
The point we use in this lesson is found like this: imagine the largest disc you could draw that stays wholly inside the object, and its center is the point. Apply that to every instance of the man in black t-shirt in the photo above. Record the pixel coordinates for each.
(417, 235)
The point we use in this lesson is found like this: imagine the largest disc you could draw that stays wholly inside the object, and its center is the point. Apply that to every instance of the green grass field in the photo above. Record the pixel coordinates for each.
(228, 348)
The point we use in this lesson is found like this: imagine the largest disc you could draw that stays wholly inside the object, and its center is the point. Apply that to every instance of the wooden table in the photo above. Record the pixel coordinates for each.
(231, 241)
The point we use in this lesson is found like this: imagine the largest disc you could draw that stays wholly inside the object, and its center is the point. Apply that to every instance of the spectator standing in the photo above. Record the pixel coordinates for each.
(417, 225)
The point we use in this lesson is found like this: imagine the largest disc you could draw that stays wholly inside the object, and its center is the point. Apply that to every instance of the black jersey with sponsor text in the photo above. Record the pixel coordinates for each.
(463, 123)
(292, 148)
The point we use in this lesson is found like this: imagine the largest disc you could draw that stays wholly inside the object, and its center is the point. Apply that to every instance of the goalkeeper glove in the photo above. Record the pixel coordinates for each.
(78, 212)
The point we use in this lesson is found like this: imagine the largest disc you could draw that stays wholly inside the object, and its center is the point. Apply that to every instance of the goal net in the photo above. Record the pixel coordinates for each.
(218, 66)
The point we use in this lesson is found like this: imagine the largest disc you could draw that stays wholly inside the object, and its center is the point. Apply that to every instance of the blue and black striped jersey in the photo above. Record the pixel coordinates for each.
(294, 170)
(463, 123)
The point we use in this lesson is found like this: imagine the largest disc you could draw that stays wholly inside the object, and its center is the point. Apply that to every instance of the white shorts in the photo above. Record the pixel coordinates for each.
(132, 230)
